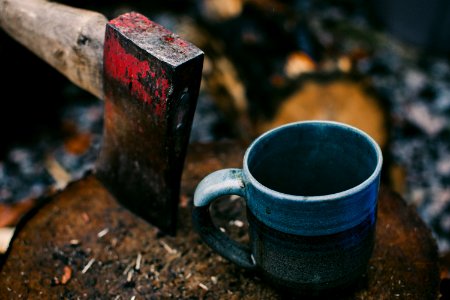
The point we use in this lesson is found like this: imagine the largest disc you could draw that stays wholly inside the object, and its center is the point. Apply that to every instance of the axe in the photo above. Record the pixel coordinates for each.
(149, 78)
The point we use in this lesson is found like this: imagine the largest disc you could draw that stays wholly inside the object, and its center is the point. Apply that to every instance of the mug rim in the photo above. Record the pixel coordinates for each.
(319, 198)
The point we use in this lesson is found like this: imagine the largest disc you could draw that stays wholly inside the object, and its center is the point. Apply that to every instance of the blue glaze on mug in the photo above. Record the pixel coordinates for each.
(314, 214)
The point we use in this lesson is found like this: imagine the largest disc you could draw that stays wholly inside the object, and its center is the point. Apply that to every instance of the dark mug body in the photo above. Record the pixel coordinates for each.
(312, 265)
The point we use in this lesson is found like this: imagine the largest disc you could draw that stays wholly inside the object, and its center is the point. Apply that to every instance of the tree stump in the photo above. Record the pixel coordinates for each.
(82, 244)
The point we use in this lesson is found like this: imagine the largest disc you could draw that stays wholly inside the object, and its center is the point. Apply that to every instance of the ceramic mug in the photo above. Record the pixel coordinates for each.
(311, 191)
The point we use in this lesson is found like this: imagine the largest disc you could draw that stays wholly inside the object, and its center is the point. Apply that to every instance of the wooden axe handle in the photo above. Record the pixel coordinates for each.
(69, 39)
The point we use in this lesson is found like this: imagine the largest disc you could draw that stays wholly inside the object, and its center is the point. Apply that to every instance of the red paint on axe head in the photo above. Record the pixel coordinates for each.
(128, 70)
(131, 39)
(151, 82)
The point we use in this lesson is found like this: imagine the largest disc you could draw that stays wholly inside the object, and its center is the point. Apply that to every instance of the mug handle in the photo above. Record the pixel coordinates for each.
(220, 183)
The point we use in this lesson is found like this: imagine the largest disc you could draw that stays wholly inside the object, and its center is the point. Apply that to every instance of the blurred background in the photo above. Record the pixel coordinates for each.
(382, 66)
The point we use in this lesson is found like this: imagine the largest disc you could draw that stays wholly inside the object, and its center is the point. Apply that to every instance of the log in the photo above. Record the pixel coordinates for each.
(82, 243)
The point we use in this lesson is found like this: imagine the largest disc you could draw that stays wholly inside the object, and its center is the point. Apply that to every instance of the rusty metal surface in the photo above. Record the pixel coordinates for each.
(151, 81)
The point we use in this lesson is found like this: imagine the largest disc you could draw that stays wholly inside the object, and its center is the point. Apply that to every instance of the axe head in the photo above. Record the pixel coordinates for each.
(151, 84)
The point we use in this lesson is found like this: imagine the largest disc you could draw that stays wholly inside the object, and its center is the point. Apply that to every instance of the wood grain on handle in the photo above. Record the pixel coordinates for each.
(69, 39)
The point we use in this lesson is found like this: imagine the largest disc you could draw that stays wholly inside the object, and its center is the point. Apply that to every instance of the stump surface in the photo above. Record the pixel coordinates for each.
(83, 244)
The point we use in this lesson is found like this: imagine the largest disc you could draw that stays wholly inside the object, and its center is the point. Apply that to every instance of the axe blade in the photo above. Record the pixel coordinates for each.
(151, 85)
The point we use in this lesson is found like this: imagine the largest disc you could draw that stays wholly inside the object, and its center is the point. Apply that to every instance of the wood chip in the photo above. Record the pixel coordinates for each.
(59, 174)
(130, 275)
(102, 233)
(138, 261)
(6, 235)
(128, 268)
(168, 248)
(67, 275)
(74, 242)
(89, 264)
